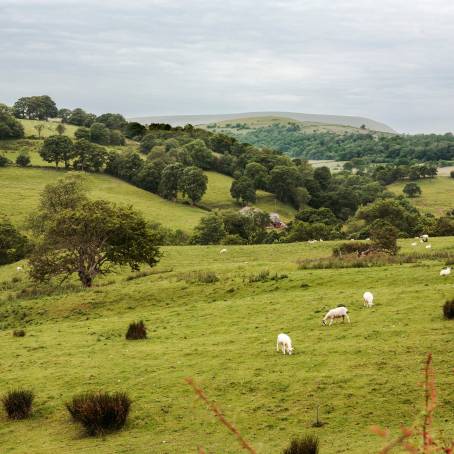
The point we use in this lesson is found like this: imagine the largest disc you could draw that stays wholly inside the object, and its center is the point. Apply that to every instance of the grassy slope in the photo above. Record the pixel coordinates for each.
(218, 196)
(49, 128)
(20, 188)
(437, 194)
(223, 335)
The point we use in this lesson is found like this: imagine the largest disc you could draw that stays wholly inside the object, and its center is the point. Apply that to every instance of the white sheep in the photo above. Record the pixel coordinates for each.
(414, 244)
(445, 271)
(424, 238)
(368, 299)
(285, 343)
(222, 251)
(19, 268)
(429, 246)
(338, 312)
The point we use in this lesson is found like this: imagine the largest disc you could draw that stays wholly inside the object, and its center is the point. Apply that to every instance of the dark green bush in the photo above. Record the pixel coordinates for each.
(448, 310)
(100, 412)
(18, 333)
(23, 160)
(136, 330)
(18, 403)
(202, 277)
(353, 247)
(308, 444)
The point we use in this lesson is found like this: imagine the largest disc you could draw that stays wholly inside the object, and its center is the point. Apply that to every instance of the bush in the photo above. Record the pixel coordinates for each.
(354, 247)
(308, 444)
(265, 276)
(448, 310)
(18, 333)
(203, 277)
(18, 403)
(452, 174)
(4, 161)
(100, 412)
(23, 160)
(136, 331)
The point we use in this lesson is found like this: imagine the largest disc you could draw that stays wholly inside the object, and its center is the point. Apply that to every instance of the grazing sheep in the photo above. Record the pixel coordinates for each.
(414, 244)
(368, 298)
(429, 246)
(445, 271)
(285, 343)
(222, 251)
(338, 312)
(312, 241)
(19, 268)
(424, 238)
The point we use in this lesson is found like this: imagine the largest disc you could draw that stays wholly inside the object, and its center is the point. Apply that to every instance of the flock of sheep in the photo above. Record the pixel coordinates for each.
(284, 342)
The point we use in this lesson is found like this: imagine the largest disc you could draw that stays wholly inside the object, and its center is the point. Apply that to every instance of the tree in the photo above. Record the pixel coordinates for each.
(10, 128)
(23, 159)
(116, 138)
(323, 176)
(135, 130)
(112, 120)
(149, 176)
(78, 117)
(39, 128)
(35, 108)
(384, 237)
(88, 238)
(82, 133)
(170, 181)
(451, 174)
(258, 174)
(99, 133)
(88, 156)
(57, 149)
(60, 128)
(13, 245)
(193, 183)
(64, 115)
(243, 190)
(282, 180)
(4, 161)
(210, 230)
(412, 190)
(200, 154)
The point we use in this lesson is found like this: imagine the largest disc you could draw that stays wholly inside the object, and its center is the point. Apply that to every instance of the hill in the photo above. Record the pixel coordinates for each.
(181, 120)
(437, 194)
(48, 128)
(223, 335)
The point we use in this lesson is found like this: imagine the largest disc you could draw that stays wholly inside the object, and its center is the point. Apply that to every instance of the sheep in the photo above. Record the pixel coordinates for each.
(414, 244)
(429, 246)
(445, 271)
(338, 312)
(424, 238)
(368, 299)
(285, 343)
(19, 268)
(222, 251)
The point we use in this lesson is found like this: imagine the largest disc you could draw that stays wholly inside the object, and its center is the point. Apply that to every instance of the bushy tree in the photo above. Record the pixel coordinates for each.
(134, 130)
(193, 184)
(384, 236)
(412, 190)
(210, 230)
(64, 114)
(116, 138)
(13, 245)
(35, 108)
(305, 231)
(10, 128)
(170, 181)
(60, 128)
(88, 238)
(82, 133)
(78, 117)
(283, 179)
(4, 161)
(243, 190)
(23, 159)
(88, 156)
(258, 174)
(149, 176)
(320, 215)
(200, 154)
(112, 120)
(57, 149)
(100, 134)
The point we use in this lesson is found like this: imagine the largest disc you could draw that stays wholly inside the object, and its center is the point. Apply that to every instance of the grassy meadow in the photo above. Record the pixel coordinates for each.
(223, 335)
(48, 130)
(437, 194)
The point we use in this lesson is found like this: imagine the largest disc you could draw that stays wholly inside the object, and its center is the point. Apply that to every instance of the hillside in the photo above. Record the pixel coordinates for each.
(223, 335)
(437, 194)
(48, 130)
(181, 120)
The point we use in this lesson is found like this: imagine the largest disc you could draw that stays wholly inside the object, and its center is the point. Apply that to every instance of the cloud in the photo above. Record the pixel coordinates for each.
(388, 60)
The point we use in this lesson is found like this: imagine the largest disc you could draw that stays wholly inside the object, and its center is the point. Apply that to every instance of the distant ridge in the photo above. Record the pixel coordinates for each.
(181, 120)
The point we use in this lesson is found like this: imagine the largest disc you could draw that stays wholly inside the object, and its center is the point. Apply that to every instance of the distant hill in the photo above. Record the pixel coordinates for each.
(181, 120)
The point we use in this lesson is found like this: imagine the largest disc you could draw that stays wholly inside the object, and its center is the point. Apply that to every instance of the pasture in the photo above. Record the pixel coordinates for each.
(437, 194)
(223, 335)
(48, 128)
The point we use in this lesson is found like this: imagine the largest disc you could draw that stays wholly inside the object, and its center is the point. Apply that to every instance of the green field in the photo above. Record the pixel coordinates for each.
(20, 189)
(437, 194)
(223, 335)
(49, 128)
(218, 196)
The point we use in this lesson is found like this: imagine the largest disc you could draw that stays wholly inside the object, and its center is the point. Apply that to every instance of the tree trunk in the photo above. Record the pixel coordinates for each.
(86, 279)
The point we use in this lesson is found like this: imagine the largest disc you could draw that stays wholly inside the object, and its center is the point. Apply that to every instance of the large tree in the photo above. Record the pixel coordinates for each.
(88, 156)
(99, 133)
(193, 183)
(112, 120)
(87, 238)
(13, 245)
(57, 149)
(243, 190)
(10, 128)
(35, 108)
(171, 181)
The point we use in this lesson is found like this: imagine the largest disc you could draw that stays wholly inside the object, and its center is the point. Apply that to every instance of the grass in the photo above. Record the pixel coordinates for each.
(437, 194)
(20, 189)
(49, 128)
(218, 196)
(223, 335)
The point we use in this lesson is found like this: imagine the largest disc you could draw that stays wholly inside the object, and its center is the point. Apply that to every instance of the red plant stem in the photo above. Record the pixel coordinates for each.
(218, 414)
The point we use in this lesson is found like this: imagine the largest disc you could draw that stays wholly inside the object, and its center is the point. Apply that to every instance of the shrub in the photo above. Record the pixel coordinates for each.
(4, 161)
(308, 444)
(23, 160)
(452, 173)
(354, 247)
(18, 403)
(18, 333)
(265, 276)
(136, 331)
(448, 310)
(203, 277)
(100, 412)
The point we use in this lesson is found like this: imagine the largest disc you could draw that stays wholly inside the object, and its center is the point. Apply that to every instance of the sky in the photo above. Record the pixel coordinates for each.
(389, 60)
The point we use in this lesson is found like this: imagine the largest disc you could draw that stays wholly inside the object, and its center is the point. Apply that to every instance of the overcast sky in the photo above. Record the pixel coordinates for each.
(390, 60)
